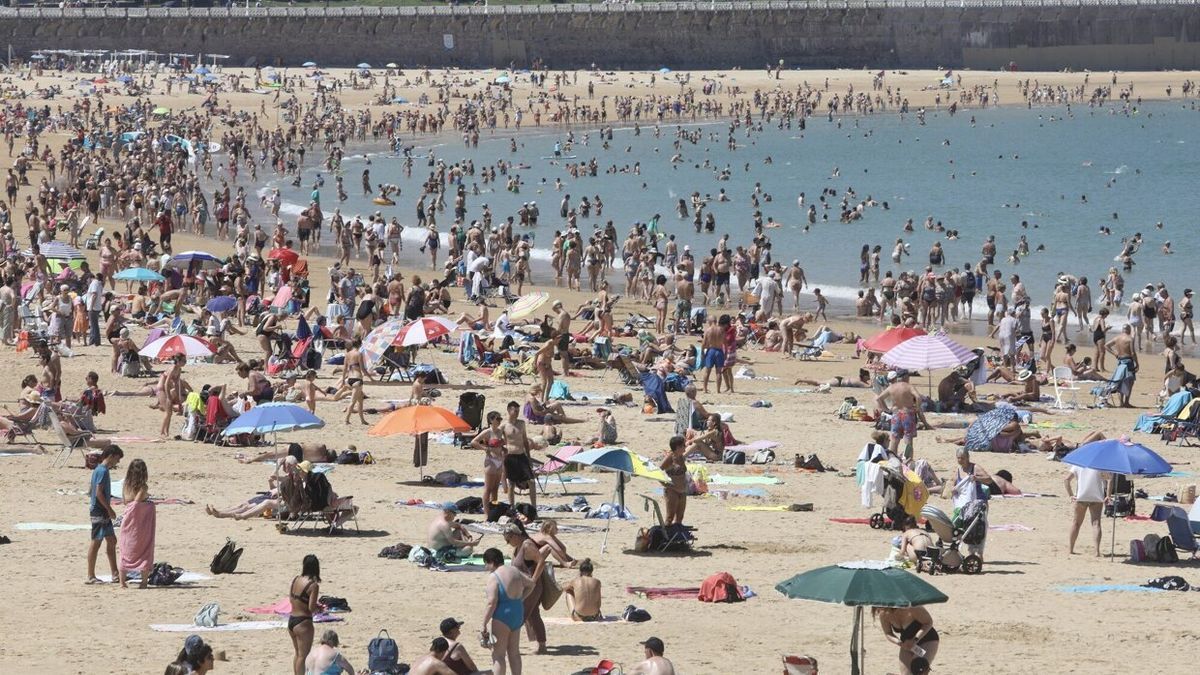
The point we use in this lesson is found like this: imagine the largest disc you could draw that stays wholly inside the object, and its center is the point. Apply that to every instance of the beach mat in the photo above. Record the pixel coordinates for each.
(136, 575)
(780, 507)
(1010, 527)
(855, 521)
(221, 628)
(754, 446)
(568, 621)
(676, 592)
(717, 479)
(17, 453)
(50, 527)
(1105, 588)
(284, 608)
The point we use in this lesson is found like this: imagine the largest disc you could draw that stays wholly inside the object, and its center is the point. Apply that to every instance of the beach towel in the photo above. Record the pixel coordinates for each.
(1149, 423)
(284, 608)
(50, 527)
(1104, 588)
(791, 390)
(855, 521)
(718, 479)
(568, 621)
(221, 628)
(1022, 495)
(136, 542)
(166, 501)
(753, 446)
(1010, 527)
(16, 453)
(677, 592)
(655, 389)
(780, 507)
(498, 528)
(185, 578)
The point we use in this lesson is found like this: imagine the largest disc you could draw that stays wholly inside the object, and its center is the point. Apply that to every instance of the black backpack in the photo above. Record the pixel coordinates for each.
(497, 511)
(1165, 551)
(226, 560)
(734, 457)
(470, 505)
(318, 489)
(164, 575)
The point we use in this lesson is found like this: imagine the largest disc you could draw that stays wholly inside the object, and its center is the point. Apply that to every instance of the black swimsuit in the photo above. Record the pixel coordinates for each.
(297, 619)
(910, 631)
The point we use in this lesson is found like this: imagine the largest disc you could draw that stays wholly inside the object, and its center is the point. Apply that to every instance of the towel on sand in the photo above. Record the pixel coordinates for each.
(568, 621)
(754, 446)
(676, 592)
(50, 527)
(225, 627)
(1104, 588)
(717, 479)
(185, 578)
(284, 608)
(779, 507)
(136, 541)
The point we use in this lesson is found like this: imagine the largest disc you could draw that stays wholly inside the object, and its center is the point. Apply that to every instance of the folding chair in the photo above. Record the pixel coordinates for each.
(558, 463)
(1183, 532)
(67, 444)
(395, 361)
(1064, 381)
(673, 537)
(628, 371)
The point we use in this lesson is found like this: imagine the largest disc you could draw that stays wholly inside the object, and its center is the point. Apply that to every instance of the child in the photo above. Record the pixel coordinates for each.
(822, 303)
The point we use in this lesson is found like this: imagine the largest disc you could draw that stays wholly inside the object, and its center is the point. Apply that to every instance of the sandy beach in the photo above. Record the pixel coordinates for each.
(1013, 618)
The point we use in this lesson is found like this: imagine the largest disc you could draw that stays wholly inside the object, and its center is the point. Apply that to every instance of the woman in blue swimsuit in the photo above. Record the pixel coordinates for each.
(507, 588)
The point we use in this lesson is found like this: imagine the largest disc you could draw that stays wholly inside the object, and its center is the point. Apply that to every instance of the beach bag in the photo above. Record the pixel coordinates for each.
(799, 665)
(164, 575)
(207, 616)
(383, 655)
(319, 491)
(497, 511)
(1137, 551)
(734, 457)
(763, 457)
(605, 667)
(720, 587)
(1165, 551)
(226, 560)
(635, 615)
(1172, 583)
(470, 505)
(450, 478)
(396, 551)
(527, 511)
(347, 457)
(551, 591)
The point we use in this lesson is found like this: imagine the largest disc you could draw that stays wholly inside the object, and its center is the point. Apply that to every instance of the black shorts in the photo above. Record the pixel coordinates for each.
(303, 234)
(517, 469)
(564, 341)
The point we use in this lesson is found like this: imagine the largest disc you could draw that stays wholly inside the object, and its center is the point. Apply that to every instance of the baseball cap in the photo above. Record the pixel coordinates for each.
(449, 624)
(654, 644)
(450, 506)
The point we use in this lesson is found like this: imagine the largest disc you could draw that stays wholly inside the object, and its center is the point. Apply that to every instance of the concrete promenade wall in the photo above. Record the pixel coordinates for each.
(1036, 34)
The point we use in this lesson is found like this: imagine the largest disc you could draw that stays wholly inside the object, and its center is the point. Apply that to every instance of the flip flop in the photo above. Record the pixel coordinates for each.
(92, 582)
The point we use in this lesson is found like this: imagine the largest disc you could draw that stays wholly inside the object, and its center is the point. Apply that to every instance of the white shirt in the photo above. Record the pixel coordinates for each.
(94, 298)
(1089, 484)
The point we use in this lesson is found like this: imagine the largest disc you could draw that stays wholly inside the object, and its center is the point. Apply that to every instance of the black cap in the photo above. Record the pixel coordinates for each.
(449, 625)
(655, 645)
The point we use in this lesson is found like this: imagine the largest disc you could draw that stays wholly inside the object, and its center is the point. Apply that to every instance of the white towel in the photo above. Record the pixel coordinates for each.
(239, 625)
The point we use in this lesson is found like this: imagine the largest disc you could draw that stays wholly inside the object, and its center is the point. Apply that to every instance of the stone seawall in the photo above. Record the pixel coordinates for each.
(1036, 34)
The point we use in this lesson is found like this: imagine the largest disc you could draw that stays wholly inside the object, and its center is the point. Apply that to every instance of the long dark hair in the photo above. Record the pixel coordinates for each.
(311, 568)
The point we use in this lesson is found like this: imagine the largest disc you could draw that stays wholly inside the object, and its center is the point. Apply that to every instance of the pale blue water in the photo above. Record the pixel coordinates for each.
(1142, 167)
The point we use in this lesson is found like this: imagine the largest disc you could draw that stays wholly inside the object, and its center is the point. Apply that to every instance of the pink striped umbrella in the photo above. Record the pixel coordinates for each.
(170, 346)
(927, 352)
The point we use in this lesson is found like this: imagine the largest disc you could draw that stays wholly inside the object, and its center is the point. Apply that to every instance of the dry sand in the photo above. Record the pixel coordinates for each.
(1008, 620)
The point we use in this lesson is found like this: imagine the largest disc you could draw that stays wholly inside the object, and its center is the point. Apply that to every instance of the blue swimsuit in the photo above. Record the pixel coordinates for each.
(509, 611)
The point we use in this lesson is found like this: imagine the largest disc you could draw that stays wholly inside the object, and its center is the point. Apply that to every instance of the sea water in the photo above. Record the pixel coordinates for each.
(980, 172)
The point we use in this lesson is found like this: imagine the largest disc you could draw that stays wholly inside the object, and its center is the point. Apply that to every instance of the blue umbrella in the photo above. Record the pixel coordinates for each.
(188, 257)
(987, 426)
(221, 303)
(138, 274)
(1118, 455)
(202, 70)
(664, 70)
(272, 418)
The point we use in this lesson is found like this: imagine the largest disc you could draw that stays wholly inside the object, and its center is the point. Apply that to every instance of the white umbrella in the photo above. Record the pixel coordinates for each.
(927, 352)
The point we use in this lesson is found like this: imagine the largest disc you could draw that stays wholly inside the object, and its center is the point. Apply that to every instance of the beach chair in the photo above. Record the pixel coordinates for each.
(1103, 392)
(332, 518)
(559, 460)
(628, 371)
(602, 349)
(67, 444)
(1064, 382)
(1183, 531)
(470, 409)
(666, 539)
(395, 362)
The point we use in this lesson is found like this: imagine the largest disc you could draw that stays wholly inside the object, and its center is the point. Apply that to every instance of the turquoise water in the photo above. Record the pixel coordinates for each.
(1010, 165)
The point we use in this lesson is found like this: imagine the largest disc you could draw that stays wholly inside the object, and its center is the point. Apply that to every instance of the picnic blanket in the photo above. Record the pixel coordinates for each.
(676, 592)
(1105, 588)
(185, 578)
(221, 628)
(498, 528)
(16, 453)
(779, 507)
(718, 479)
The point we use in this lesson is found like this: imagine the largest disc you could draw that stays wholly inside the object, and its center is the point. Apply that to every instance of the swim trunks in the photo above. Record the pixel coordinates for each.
(714, 358)
(904, 424)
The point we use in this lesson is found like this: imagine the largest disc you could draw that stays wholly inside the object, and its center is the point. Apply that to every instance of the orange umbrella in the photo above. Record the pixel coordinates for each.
(891, 337)
(418, 419)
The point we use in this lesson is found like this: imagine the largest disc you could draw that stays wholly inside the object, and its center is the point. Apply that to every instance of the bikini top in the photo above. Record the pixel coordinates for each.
(303, 595)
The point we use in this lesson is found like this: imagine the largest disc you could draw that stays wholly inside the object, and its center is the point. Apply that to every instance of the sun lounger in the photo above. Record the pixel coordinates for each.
(333, 516)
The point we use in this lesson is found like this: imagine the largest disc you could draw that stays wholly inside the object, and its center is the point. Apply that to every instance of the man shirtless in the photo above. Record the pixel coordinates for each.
(446, 534)
(655, 663)
(793, 330)
(713, 350)
(685, 290)
(583, 594)
(517, 468)
(562, 338)
(1122, 348)
(432, 663)
(904, 410)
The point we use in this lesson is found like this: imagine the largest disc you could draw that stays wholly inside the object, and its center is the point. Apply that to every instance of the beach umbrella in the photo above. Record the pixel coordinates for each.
(138, 274)
(286, 256)
(125, 79)
(927, 352)
(364, 66)
(664, 70)
(160, 110)
(987, 426)
(202, 70)
(527, 304)
(204, 260)
(891, 337)
(423, 330)
(221, 303)
(169, 346)
(418, 419)
(309, 64)
(55, 250)
(860, 584)
(1118, 456)
(272, 418)
(503, 79)
(380, 338)
(623, 462)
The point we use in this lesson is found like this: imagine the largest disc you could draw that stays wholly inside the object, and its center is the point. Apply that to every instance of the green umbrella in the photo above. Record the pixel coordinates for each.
(863, 583)
(160, 110)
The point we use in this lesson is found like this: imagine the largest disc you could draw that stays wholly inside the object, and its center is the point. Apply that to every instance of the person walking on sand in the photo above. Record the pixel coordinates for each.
(903, 410)
(1088, 495)
(102, 513)
(507, 587)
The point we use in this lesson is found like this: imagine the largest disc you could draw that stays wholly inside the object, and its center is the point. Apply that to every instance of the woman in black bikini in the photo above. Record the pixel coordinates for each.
(910, 628)
(303, 594)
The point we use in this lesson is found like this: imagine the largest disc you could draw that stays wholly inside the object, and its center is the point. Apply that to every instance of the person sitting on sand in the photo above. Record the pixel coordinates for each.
(607, 433)
(544, 413)
(447, 537)
(655, 663)
(956, 393)
(456, 657)
(326, 659)
(1083, 370)
(1009, 439)
(711, 442)
(550, 545)
(433, 663)
(583, 594)
(773, 339)
(1060, 446)
(1030, 393)
(286, 479)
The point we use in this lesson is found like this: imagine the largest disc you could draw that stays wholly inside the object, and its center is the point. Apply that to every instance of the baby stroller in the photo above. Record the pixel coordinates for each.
(970, 529)
(893, 487)
(93, 242)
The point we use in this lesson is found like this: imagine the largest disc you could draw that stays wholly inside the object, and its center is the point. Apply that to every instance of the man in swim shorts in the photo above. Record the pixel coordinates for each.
(904, 411)
(517, 469)
(713, 351)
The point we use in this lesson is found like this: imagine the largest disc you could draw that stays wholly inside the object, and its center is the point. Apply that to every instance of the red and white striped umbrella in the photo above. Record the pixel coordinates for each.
(169, 346)
(425, 329)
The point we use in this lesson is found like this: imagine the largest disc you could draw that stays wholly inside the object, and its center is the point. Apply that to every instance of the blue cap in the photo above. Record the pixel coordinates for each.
(450, 506)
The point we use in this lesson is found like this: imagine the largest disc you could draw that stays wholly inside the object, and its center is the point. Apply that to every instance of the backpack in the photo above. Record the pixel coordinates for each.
(1137, 551)
(383, 655)
(1165, 551)
(763, 457)
(635, 614)
(164, 575)
(396, 551)
(319, 491)
(497, 511)
(226, 560)
(207, 616)
(450, 478)
(470, 505)
(734, 457)
(528, 511)
(347, 457)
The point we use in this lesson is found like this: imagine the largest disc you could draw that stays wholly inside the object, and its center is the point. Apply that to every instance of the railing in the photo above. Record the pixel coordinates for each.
(580, 8)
